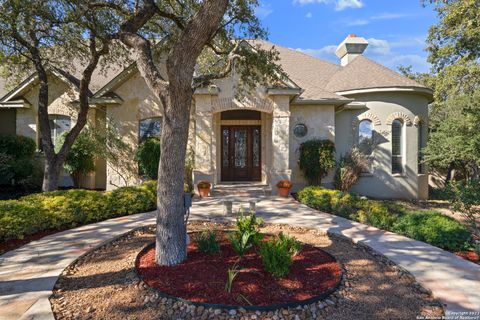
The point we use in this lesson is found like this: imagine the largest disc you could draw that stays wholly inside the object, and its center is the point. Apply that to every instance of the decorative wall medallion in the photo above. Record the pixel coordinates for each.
(300, 130)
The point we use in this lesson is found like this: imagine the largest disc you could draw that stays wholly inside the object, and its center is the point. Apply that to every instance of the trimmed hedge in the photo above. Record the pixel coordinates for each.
(71, 208)
(423, 225)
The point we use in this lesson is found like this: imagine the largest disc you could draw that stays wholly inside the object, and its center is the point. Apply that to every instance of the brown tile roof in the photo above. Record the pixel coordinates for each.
(363, 73)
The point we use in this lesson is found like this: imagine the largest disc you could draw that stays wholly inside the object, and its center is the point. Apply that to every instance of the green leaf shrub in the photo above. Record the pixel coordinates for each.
(317, 157)
(277, 255)
(207, 241)
(70, 208)
(434, 228)
(148, 157)
(424, 225)
(249, 223)
(241, 242)
(17, 158)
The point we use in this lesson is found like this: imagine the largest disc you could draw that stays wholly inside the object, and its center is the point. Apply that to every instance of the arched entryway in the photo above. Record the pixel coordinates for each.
(241, 145)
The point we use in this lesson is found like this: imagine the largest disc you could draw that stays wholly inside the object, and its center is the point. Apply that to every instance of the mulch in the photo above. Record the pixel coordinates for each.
(17, 243)
(202, 277)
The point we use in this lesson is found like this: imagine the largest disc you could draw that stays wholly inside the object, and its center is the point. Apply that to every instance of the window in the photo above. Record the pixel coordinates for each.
(58, 125)
(151, 127)
(397, 146)
(365, 136)
(421, 165)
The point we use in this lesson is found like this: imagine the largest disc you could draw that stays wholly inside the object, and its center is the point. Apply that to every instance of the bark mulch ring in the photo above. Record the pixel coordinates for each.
(201, 278)
(104, 284)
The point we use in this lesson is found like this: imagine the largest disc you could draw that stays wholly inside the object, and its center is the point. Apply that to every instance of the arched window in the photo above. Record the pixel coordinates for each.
(151, 127)
(397, 146)
(59, 124)
(365, 136)
(421, 145)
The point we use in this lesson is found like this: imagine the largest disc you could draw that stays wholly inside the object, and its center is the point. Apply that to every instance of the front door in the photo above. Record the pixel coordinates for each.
(240, 153)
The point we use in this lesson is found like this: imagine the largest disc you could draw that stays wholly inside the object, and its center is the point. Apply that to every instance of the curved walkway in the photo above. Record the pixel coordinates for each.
(28, 274)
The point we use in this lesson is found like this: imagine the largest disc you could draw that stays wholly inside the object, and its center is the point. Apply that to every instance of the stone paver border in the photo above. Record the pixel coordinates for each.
(28, 274)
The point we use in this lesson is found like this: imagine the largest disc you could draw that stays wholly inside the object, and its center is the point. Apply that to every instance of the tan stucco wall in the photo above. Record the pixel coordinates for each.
(138, 104)
(320, 122)
(381, 183)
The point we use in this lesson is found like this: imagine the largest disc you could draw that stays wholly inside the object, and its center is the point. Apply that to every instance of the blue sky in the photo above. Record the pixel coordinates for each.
(396, 30)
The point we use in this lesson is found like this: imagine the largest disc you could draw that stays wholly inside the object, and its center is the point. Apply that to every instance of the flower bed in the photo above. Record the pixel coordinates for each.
(313, 275)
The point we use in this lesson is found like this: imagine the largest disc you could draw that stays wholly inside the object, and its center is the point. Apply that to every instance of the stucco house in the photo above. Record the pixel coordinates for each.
(257, 138)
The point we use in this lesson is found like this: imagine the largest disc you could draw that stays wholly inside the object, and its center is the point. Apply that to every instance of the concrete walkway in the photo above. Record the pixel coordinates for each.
(28, 274)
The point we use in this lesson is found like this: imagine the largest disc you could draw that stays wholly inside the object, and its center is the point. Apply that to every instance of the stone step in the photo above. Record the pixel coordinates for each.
(241, 190)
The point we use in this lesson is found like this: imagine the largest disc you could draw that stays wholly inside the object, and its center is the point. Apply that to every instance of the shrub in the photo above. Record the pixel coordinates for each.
(128, 200)
(434, 228)
(69, 208)
(148, 157)
(465, 198)
(249, 223)
(292, 244)
(350, 169)
(16, 158)
(241, 242)
(276, 257)
(81, 157)
(428, 226)
(317, 157)
(207, 241)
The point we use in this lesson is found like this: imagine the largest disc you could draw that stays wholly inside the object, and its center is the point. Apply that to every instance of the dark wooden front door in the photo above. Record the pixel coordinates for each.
(240, 153)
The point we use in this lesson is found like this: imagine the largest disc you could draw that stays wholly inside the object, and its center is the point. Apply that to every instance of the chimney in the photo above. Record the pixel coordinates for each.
(350, 48)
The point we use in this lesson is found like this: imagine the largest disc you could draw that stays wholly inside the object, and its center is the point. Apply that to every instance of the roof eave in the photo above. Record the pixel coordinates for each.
(335, 102)
(420, 90)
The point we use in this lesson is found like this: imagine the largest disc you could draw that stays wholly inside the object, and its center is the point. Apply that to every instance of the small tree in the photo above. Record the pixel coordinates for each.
(148, 156)
(317, 157)
(465, 197)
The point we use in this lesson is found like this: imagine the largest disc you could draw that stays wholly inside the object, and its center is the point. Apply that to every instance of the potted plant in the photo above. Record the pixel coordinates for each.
(284, 187)
(204, 188)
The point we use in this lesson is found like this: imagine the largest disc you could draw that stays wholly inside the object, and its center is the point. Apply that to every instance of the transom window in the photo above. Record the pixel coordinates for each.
(59, 124)
(151, 127)
(397, 146)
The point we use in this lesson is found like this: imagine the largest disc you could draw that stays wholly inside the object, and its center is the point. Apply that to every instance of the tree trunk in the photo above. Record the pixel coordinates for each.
(171, 228)
(51, 175)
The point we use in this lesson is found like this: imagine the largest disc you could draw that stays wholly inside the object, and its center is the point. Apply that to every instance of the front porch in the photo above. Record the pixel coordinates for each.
(241, 141)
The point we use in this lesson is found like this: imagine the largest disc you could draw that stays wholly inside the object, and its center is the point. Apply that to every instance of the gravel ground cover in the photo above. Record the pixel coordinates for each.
(104, 285)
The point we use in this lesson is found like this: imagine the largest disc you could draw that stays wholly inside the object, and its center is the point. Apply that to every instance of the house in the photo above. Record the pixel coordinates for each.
(257, 138)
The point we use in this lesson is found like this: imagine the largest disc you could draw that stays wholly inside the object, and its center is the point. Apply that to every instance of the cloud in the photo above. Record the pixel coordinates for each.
(357, 22)
(339, 4)
(263, 10)
(389, 16)
(378, 46)
(327, 52)
(344, 4)
(309, 15)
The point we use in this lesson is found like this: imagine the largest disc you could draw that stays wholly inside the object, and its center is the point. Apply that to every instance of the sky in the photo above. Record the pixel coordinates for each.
(396, 29)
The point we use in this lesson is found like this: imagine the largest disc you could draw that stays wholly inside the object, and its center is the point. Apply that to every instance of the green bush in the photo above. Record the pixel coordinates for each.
(70, 208)
(317, 157)
(148, 157)
(428, 226)
(251, 224)
(434, 228)
(16, 158)
(277, 257)
(241, 242)
(291, 243)
(207, 241)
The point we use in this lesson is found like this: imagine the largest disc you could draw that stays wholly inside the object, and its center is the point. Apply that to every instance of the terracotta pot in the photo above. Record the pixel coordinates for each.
(284, 192)
(204, 192)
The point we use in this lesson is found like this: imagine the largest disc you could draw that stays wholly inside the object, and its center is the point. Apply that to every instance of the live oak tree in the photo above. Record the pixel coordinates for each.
(201, 41)
(46, 36)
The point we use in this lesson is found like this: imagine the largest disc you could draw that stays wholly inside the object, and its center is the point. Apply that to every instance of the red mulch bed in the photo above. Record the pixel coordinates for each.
(17, 243)
(202, 277)
(469, 255)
